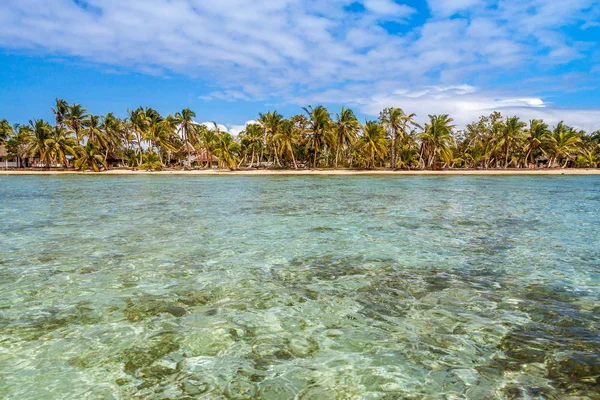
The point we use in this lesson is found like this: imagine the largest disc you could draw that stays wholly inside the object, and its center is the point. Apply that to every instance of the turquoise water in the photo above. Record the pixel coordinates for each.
(165, 287)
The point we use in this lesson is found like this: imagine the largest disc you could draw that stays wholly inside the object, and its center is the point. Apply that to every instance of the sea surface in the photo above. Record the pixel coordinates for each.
(229, 287)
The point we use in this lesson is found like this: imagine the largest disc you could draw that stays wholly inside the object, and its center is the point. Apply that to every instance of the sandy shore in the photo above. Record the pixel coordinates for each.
(317, 172)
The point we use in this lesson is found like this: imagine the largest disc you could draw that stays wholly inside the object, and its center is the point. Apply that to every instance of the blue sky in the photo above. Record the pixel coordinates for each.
(230, 59)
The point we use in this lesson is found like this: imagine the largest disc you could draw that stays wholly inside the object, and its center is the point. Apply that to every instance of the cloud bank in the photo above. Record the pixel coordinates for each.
(452, 56)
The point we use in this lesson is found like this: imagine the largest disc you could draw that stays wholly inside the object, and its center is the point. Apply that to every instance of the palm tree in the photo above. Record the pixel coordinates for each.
(563, 143)
(537, 135)
(60, 110)
(271, 122)
(346, 128)
(18, 143)
(319, 121)
(252, 137)
(207, 142)
(138, 123)
(391, 119)
(151, 161)
(227, 150)
(91, 157)
(510, 136)
(74, 119)
(114, 130)
(372, 143)
(60, 144)
(91, 128)
(286, 137)
(187, 127)
(41, 131)
(6, 131)
(588, 159)
(436, 138)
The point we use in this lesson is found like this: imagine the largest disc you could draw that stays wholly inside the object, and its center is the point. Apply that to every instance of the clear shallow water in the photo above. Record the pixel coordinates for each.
(299, 287)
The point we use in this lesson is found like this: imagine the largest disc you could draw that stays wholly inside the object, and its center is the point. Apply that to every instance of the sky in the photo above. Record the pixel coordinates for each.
(228, 60)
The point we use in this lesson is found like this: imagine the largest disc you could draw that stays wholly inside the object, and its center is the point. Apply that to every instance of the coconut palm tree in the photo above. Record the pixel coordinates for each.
(60, 144)
(588, 159)
(91, 157)
(346, 129)
(537, 136)
(60, 110)
(227, 150)
(565, 141)
(252, 137)
(138, 123)
(151, 161)
(372, 143)
(436, 138)
(187, 127)
(41, 131)
(207, 142)
(271, 123)
(510, 136)
(113, 129)
(74, 119)
(18, 143)
(392, 121)
(91, 128)
(319, 122)
(286, 138)
(6, 131)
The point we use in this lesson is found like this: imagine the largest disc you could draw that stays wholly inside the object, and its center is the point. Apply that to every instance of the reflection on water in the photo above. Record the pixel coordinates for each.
(299, 287)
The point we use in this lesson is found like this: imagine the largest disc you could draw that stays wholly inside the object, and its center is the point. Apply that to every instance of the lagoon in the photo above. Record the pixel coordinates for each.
(309, 287)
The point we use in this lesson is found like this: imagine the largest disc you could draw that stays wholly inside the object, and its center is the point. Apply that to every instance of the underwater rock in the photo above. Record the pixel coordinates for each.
(303, 347)
(136, 357)
(195, 385)
(143, 307)
(570, 367)
(240, 390)
(176, 311)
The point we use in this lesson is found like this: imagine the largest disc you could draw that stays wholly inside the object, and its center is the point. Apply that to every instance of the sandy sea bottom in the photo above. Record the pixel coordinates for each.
(162, 287)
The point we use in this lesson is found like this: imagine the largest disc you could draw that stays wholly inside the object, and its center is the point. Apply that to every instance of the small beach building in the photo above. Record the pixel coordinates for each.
(5, 160)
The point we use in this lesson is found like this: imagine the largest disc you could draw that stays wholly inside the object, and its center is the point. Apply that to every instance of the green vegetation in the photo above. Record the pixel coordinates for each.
(316, 138)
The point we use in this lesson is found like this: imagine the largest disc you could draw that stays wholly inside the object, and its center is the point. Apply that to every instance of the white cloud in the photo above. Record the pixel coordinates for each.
(292, 50)
(466, 104)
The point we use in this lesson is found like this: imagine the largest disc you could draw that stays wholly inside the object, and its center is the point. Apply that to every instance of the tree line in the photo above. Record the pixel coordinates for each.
(315, 138)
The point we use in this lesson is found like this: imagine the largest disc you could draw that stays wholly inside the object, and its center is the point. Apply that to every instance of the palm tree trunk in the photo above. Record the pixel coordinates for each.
(293, 159)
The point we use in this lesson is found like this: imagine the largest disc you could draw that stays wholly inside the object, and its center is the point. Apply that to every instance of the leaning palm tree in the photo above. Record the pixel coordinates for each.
(436, 138)
(60, 110)
(372, 143)
(41, 131)
(346, 129)
(90, 157)
(60, 144)
(319, 121)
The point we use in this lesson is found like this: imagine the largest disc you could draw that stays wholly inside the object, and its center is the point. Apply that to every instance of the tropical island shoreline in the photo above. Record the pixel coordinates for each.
(313, 172)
